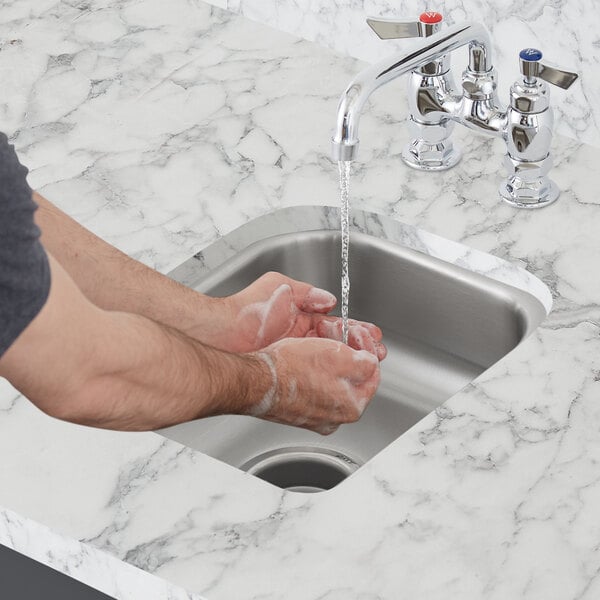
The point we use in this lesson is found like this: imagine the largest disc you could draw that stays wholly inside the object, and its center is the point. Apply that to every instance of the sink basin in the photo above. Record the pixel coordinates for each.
(443, 326)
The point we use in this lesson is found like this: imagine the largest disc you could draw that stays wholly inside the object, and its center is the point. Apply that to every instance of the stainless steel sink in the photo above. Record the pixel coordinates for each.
(443, 326)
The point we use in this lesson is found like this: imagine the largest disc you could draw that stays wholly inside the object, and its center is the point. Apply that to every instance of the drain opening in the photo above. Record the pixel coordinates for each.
(302, 469)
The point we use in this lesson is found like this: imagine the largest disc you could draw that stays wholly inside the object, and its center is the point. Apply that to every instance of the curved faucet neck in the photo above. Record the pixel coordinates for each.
(345, 138)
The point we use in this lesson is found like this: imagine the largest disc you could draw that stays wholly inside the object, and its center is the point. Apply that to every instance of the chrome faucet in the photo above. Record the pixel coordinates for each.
(436, 105)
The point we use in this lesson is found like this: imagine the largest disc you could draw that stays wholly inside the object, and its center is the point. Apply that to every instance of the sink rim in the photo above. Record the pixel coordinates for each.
(410, 237)
(285, 220)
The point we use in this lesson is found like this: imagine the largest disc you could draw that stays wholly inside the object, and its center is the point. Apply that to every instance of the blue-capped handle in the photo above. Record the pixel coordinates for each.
(532, 68)
(530, 55)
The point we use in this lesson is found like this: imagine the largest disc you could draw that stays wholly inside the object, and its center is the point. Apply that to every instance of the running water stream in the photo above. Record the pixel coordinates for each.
(344, 168)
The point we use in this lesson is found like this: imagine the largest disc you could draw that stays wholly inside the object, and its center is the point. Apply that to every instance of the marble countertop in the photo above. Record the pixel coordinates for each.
(164, 126)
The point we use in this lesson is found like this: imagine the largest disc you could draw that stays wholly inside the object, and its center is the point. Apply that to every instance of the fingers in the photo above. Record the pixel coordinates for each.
(332, 383)
(366, 336)
(374, 331)
(361, 335)
(354, 367)
(359, 338)
(364, 365)
(381, 350)
(359, 381)
(306, 297)
(318, 301)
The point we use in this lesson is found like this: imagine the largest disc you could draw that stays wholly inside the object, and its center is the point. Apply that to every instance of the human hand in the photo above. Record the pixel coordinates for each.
(276, 307)
(317, 384)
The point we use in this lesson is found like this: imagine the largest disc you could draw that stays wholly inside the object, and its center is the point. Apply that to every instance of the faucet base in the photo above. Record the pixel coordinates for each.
(545, 193)
(431, 148)
(439, 158)
(528, 185)
(451, 157)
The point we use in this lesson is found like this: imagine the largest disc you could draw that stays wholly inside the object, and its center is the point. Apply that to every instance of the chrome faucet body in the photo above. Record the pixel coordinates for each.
(436, 104)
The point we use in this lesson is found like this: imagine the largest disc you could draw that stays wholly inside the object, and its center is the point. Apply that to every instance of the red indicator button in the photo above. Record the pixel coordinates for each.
(431, 17)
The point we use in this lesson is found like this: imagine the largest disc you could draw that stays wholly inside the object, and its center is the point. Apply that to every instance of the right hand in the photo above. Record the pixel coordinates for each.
(275, 307)
(317, 384)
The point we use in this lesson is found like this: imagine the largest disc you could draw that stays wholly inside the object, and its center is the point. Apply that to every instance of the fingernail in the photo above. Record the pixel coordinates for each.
(319, 298)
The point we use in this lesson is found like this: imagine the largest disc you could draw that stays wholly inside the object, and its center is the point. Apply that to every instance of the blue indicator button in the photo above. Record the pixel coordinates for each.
(530, 54)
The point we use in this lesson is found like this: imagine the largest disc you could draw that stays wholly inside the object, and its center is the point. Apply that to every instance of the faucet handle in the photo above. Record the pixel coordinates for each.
(427, 24)
(529, 133)
(532, 68)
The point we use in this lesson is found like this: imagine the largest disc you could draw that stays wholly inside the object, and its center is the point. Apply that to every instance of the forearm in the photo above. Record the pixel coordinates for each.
(117, 370)
(114, 281)
(155, 376)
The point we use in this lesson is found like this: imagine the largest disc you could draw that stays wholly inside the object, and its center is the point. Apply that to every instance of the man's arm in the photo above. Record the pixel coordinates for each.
(271, 308)
(117, 370)
(114, 281)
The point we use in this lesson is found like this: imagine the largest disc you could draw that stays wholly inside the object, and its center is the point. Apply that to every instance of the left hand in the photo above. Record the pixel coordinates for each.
(276, 307)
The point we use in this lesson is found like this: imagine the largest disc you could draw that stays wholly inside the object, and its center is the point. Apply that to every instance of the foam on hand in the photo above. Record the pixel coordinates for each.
(268, 400)
(263, 310)
(319, 300)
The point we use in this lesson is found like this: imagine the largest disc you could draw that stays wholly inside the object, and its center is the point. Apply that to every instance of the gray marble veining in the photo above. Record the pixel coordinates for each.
(567, 31)
(163, 126)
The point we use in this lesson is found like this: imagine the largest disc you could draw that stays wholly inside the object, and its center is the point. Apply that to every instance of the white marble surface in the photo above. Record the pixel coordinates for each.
(567, 31)
(164, 126)
(98, 569)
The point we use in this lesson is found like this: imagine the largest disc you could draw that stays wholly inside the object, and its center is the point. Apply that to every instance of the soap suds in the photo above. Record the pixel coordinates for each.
(319, 300)
(349, 394)
(262, 311)
(268, 400)
(364, 355)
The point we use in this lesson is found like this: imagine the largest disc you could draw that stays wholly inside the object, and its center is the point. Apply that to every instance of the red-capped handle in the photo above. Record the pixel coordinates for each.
(428, 23)
(430, 17)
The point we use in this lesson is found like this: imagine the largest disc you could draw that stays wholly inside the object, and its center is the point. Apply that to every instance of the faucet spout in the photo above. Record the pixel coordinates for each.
(345, 138)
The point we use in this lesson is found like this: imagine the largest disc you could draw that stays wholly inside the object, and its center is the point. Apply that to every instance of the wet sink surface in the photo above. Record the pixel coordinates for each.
(443, 326)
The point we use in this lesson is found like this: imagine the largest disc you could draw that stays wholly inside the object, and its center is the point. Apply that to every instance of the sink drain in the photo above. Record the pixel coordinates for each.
(302, 469)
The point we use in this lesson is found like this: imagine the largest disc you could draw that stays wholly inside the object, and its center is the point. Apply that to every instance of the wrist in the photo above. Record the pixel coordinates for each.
(202, 317)
(263, 393)
(243, 384)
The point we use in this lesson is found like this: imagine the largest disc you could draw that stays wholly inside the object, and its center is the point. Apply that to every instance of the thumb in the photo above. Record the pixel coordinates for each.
(363, 366)
(318, 301)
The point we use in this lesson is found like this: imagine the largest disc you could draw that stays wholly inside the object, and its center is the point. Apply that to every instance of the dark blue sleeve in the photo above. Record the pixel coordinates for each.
(24, 269)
